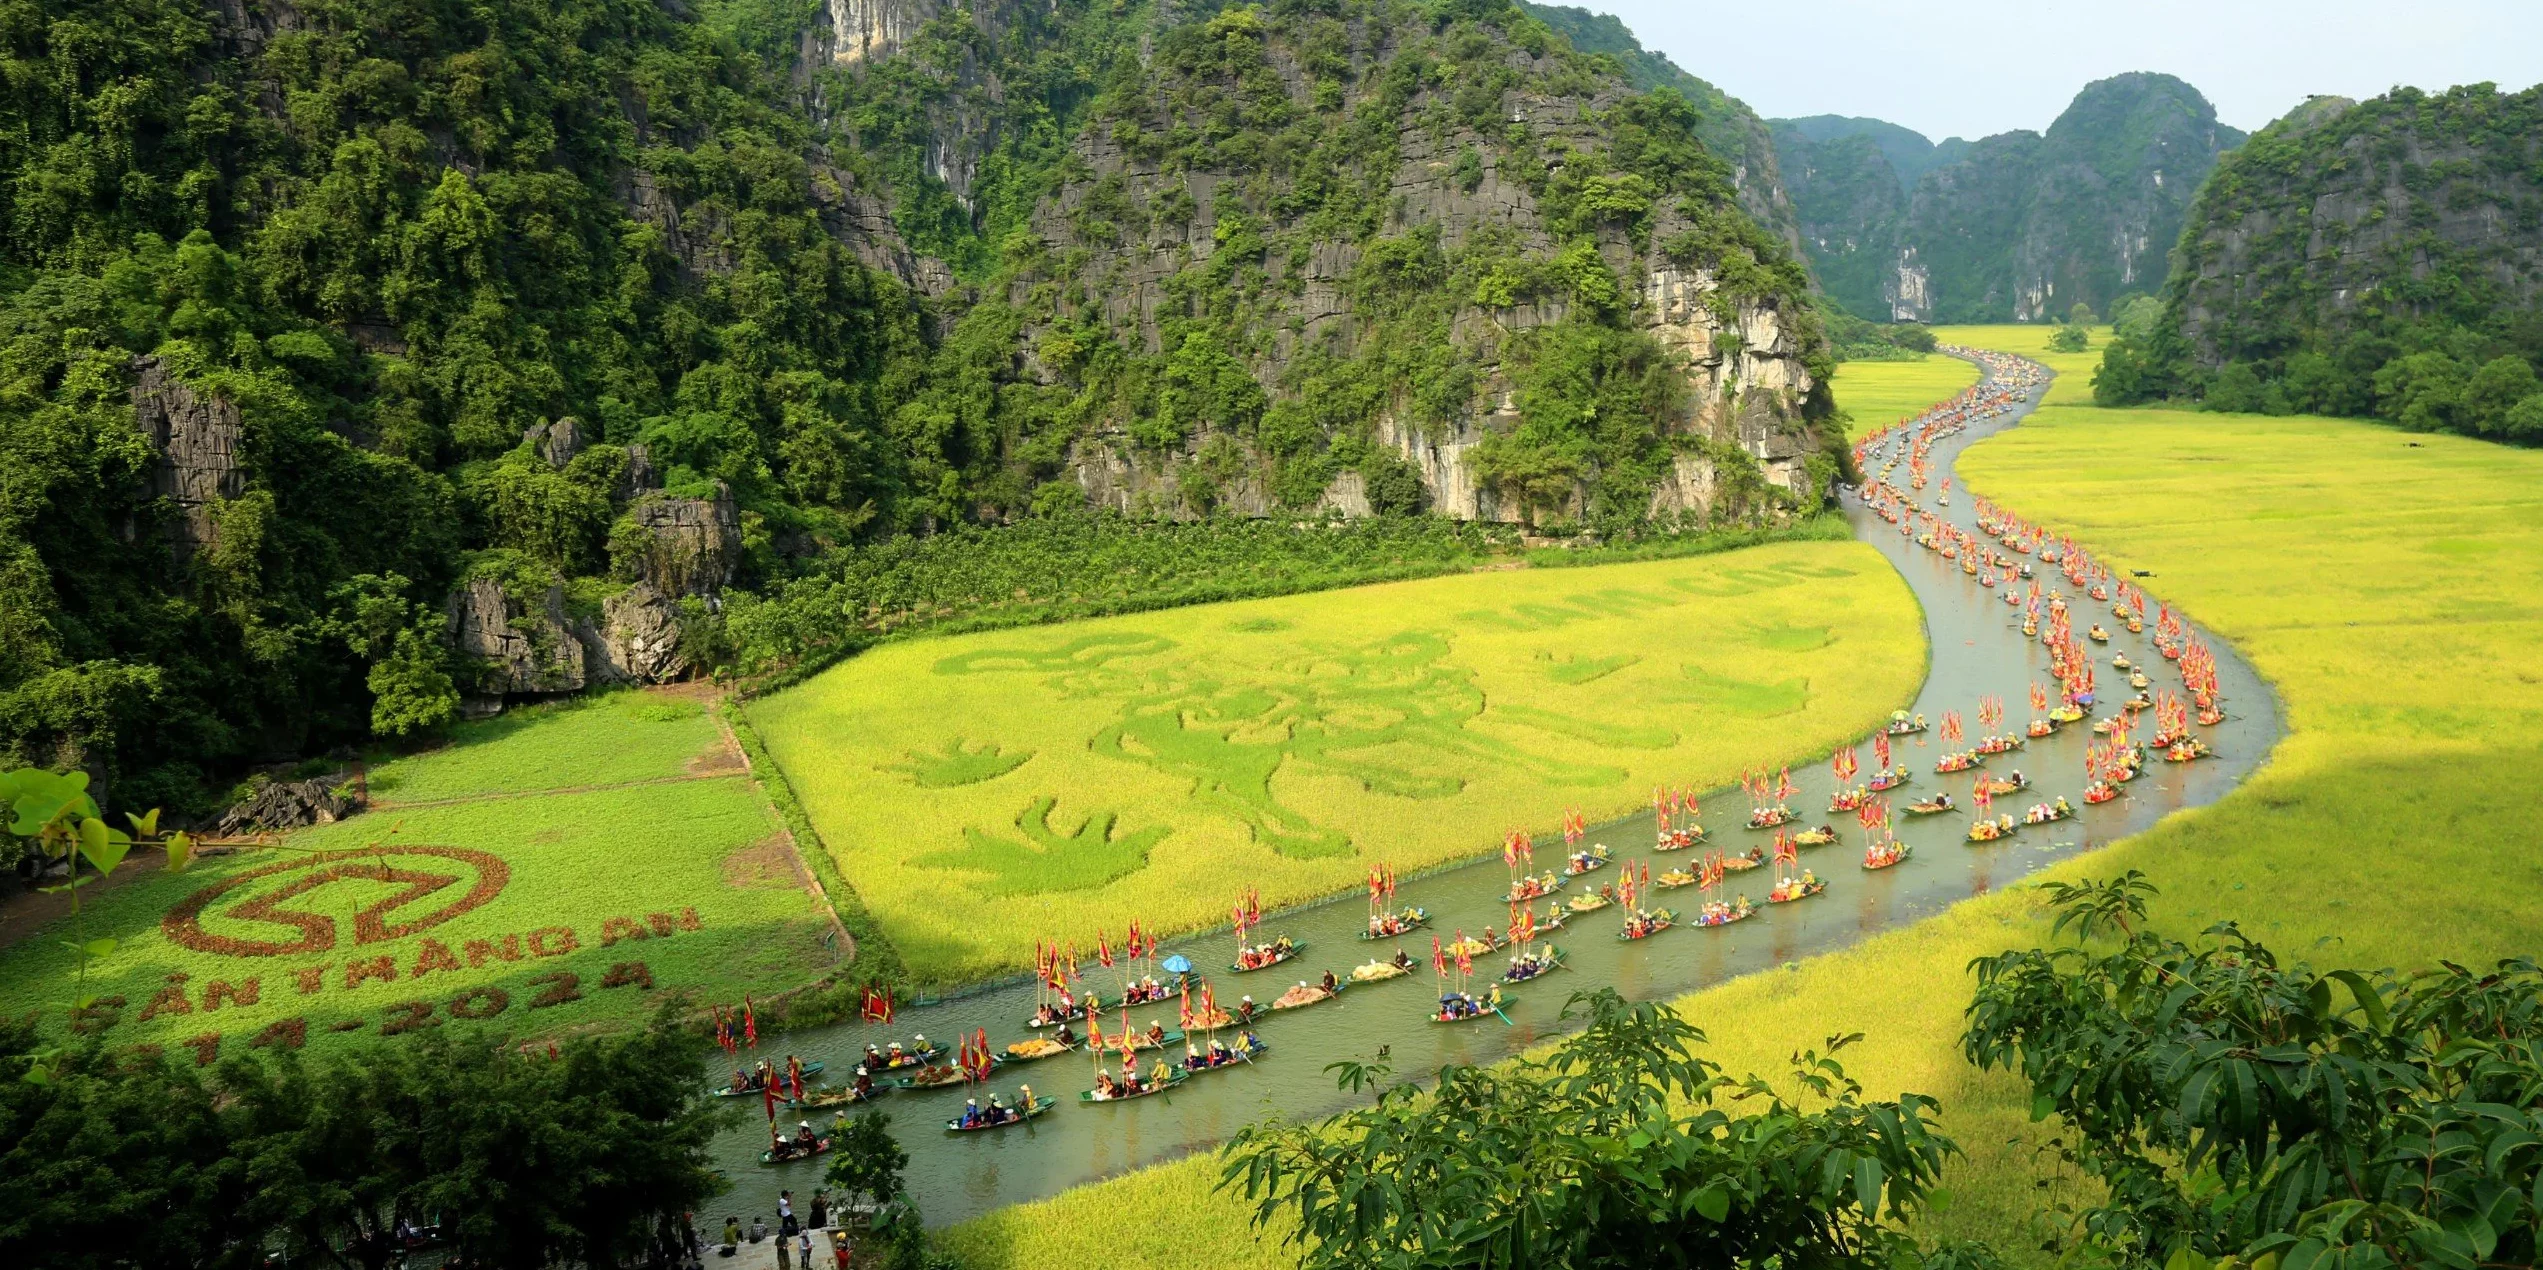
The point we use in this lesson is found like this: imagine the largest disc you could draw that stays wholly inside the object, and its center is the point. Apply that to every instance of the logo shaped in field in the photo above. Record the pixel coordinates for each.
(435, 884)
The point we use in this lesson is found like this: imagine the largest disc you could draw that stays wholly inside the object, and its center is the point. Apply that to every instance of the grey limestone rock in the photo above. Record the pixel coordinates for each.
(691, 545)
(526, 648)
(638, 640)
(286, 805)
(196, 439)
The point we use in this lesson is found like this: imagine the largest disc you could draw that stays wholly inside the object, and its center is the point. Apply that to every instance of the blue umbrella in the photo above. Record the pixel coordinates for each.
(1177, 964)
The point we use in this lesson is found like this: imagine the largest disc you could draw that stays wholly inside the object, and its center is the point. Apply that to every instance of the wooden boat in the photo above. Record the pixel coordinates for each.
(2046, 814)
(1304, 995)
(1140, 1041)
(1903, 727)
(2136, 626)
(1589, 861)
(1174, 1076)
(1236, 1055)
(820, 1147)
(940, 1077)
(1883, 782)
(1847, 799)
(1934, 806)
(1041, 1103)
(1798, 891)
(1771, 817)
(1742, 863)
(2139, 681)
(837, 1096)
(1481, 1011)
(1280, 956)
(1657, 921)
(1590, 903)
(1393, 925)
(2004, 784)
(1995, 830)
(1674, 879)
(1548, 963)
(1720, 914)
(2041, 727)
(811, 1070)
(1960, 762)
(1679, 839)
(2210, 717)
(1994, 745)
(2188, 751)
(1877, 860)
(1037, 1049)
(1075, 1011)
(2100, 792)
(894, 1062)
(1378, 972)
(1819, 837)
(2119, 661)
(1534, 888)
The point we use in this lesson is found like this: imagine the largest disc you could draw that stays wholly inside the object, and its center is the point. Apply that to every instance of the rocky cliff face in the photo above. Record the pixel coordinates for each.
(1850, 203)
(2412, 207)
(195, 441)
(522, 644)
(2020, 226)
(1176, 252)
(690, 545)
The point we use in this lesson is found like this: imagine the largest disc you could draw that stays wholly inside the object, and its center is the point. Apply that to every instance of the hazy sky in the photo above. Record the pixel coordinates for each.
(1973, 67)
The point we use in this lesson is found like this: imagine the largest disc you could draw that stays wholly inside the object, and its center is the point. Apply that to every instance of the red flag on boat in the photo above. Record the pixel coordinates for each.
(1104, 949)
(1438, 957)
(750, 1023)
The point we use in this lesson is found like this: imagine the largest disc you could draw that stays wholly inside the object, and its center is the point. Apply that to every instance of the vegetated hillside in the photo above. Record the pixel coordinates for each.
(360, 359)
(1909, 154)
(2020, 226)
(1370, 258)
(2380, 258)
(1731, 130)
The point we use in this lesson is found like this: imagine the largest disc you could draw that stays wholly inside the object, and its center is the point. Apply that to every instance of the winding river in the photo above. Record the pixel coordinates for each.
(1977, 648)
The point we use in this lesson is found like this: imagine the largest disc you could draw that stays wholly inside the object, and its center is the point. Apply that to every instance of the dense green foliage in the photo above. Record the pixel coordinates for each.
(588, 1153)
(2012, 227)
(1852, 339)
(1620, 1148)
(392, 236)
(1729, 129)
(2428, 315)
(389, 243)
(2234, 1110)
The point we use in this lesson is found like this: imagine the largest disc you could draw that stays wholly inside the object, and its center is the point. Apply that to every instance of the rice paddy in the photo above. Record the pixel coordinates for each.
(986, 790)
(1875, 395)
(570, 866)
(2074, 382)
(2391, 586)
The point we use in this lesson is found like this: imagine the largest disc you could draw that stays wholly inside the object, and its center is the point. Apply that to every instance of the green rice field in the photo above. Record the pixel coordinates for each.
(986, 790)
(551, 869)
(1875, 395)
(2390, 585)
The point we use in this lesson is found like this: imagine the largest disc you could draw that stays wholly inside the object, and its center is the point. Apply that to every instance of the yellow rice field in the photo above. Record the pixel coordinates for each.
(1875, 395)
(984, 790)
(2392, 591)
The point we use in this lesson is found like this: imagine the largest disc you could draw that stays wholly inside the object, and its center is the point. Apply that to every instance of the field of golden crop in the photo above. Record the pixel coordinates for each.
(1877, 394)
(2074, 385)
(2390, 586)
(985, 790)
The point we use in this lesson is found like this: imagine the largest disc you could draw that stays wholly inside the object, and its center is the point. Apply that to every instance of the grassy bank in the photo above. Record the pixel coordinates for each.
(1875, 395)
(560, 867)
(988, 789)
(2392, 593)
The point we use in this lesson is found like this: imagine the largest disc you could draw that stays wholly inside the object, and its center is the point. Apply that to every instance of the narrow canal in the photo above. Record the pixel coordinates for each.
(1977, 649)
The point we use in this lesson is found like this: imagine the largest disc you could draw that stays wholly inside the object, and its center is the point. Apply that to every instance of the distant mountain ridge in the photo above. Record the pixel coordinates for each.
(2019, 226)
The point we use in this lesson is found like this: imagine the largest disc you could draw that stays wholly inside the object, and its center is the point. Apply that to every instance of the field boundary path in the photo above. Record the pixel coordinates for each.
(1976, 648)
